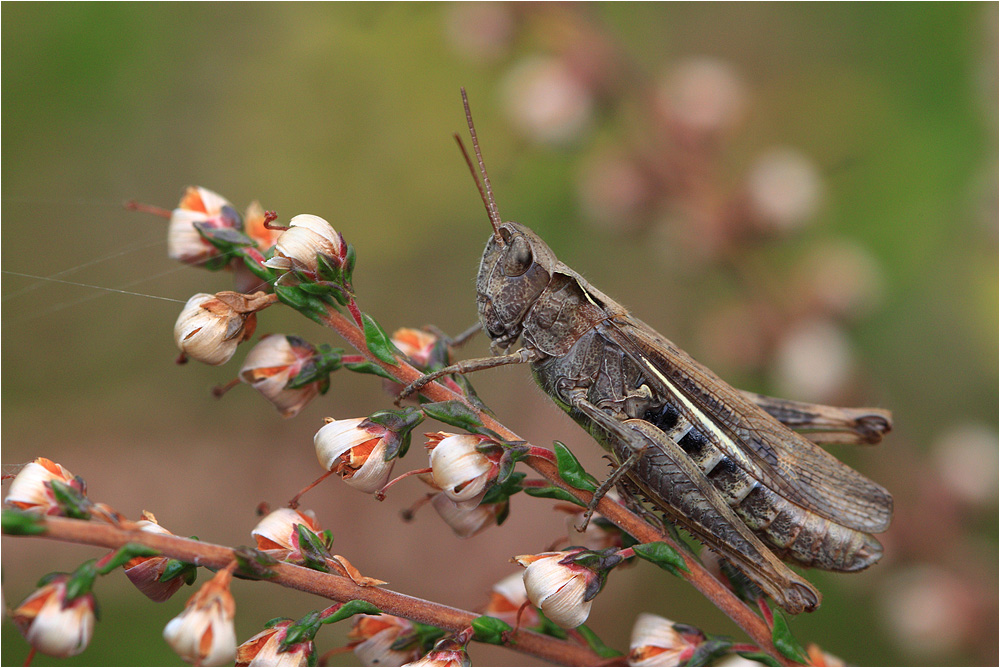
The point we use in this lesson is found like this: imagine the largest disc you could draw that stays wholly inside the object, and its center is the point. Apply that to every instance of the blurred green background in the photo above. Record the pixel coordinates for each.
(804, 197)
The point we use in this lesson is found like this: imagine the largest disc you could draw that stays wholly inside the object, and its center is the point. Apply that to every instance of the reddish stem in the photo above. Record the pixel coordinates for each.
(269, 218)
(294, 503)
(380, 494)
(132, 205)
(219, 390)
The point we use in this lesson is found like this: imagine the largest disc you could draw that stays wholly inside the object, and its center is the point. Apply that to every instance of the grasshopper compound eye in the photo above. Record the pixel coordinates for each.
(518, 257)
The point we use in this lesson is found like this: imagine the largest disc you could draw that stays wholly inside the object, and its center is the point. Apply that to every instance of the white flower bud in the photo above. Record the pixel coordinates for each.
(29, 491)
(655, 642)
(51, 625)
(209, 329)
(198, 205)
(458, 468)
(262, 649)
(463, 520)
(306, 237)
(271, 364)
(372, 638)
(558, 589)
(204, 634)
(415, 344)
(277, 529)
(145, 572)
(357, 454)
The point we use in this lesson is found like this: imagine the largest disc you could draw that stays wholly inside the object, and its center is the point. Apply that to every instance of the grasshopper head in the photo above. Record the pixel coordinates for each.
(515, 269)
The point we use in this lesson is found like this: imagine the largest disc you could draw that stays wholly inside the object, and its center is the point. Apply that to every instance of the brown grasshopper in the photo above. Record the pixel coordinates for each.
(723, 464)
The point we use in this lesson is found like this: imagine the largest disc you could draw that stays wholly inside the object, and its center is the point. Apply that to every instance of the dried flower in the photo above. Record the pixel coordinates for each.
(458, 468)
(264, 649)
(559, 589)
(272, 363)
(300, 247)
(32, 488)
(145, 572)
(355, 449)
(204, 634)
(377, 640)
(53, 625)
(211, 326)
(415, 344)
(657, 641)
(198, 205)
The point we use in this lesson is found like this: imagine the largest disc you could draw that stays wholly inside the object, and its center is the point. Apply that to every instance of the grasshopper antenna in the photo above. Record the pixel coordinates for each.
(485, 189)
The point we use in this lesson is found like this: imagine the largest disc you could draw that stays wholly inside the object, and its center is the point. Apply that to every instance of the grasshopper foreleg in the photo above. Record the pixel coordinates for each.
(467, 366)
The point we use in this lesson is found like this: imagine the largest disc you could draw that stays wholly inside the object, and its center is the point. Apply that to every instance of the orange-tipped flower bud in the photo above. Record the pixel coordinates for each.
(53, 625)
(277, 530)
(306, 238)
(506, 599)
(458, 468)
(264, 649)
(657, 641)
(375, 640)
(211, 326)
(198, 205)
(32, 489)
(355, 449)
(415, 344)
(204, 634)
(272, 363)
(558, 588)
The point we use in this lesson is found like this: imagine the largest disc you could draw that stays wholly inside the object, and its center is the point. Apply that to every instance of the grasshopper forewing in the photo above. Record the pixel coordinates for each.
(723, 464)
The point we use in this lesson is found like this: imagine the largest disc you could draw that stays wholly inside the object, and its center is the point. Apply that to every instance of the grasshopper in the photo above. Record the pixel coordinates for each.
(721, 463)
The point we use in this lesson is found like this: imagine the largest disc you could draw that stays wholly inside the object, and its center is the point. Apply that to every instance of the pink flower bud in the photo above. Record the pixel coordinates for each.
(272, 363)
(657, 641)
(263, 649)
(30, 489)
(306, 238)
(277, 530)
(204, 634)
(198, 205)
(415, 344)
(211, 326)
(53, 625)
(558, 588)
(145, 572)
(458, 469)
(355, 449)
(376, 640)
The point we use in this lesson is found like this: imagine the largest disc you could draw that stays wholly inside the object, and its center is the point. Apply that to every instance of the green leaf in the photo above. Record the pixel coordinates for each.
(81, 581)
(551, 492)
(176, 568)
(306, 304)
(253, 564)
(455, 413)
(370, 368)
(490, 630)
(596, 644)
(22, 523)
(72, 502)
(784, 641)
(126, 553)
(301, 630)
(313, 549)
(571, 471)
(663, 556)
(760, 657)
(351, 608)
(708, 651)
(378, 341)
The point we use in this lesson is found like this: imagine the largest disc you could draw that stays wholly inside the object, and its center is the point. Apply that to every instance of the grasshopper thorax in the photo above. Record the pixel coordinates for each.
(515, 270)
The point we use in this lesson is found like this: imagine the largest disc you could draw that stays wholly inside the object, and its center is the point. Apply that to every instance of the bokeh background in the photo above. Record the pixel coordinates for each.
(803, 197)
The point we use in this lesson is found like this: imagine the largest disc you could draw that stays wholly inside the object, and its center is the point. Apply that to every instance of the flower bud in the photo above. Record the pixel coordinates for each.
(657, 641)
(415, 344)
(448, 652)
(53, 625)
(272, 363)
(506, 599)
(299, 247)
(277, 530)
(198, 205)
(458, 468)
(211, 326)
(264, 649)
(32, 488)
(379, 640)
(204, 634)
(559, 589)
(145, 572)
(355, 449)
(255, 228)
(465, 521)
